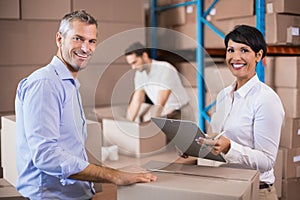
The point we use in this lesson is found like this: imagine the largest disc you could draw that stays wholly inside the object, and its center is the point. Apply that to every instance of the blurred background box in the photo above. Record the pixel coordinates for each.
(290, 133)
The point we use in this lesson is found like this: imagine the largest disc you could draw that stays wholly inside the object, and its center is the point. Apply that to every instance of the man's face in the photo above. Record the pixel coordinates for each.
(136, 62)
(77, 45)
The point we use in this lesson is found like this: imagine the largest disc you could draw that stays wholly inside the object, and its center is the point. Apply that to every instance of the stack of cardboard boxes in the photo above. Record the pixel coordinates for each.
(28, 37)
(287, 84)
(281, 20)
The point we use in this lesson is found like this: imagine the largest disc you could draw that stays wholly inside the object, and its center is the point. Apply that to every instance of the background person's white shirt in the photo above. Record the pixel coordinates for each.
(162, 76)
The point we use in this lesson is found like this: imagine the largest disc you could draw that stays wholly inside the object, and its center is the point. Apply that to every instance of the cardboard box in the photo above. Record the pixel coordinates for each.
(170, 17)
(133, 139)
(9, 9)
(45, 10)
(217, 77)
(93, 142)
(290, 98)
(290, 133)
(212, 40)
(192, 182)
(269, 66)
(114, 10)
(224, 9)
(188, 73)
(38, 36)
(291, 163)
(8, 146)
(278, 169)
(277, 26)
(282, 6)
(9, 192)
(290, 189)
(10, 76)
(105, 85)
(287, 71)
(8, 149)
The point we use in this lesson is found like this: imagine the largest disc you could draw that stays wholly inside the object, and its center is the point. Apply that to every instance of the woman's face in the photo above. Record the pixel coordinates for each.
(242, 60)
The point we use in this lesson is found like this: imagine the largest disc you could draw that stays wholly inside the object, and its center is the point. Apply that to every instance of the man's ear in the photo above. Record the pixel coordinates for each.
(58, 39)
(145, 56)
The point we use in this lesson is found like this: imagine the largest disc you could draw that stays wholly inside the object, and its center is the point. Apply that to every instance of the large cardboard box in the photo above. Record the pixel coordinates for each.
(287, 71)
(290, 98)
(194, 182)
(224, 9)
(133, 139)
(9, 192)
(282, 6)
(290, 189)
(8, 149)
(171, 17)
(278, 28)
(45, 10)
(278, 168)
(269, 67)
(113, 10)
(290, 133)
(291, 163)
(10, 76)
(8, 146)
(9, 9)
(38, 36)
(212, 40)
(93, 143)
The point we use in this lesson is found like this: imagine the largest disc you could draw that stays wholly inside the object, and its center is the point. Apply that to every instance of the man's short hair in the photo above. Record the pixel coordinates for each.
(80, 15)
(136, 48)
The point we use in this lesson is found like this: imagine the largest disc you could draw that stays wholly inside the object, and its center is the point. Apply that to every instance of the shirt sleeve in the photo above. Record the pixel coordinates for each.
(268, 117)
(43, 107)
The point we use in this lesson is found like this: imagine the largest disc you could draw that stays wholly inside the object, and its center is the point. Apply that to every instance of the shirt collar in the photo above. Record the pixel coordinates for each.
(62, 71)
(243, 91)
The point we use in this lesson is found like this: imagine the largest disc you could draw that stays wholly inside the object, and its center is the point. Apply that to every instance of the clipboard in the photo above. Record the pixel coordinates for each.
(183, 134)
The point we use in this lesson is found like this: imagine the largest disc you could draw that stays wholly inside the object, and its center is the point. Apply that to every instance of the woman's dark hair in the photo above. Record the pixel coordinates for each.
(138, 49)
(249, 36)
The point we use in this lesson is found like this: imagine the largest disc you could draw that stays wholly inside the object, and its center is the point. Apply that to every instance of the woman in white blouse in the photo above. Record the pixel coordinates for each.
(249, 112)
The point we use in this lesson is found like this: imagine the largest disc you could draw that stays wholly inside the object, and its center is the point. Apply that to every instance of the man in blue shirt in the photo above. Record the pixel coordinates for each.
(51, 125)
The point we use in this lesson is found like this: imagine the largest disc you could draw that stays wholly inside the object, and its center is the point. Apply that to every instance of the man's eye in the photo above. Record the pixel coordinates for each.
(77, 38)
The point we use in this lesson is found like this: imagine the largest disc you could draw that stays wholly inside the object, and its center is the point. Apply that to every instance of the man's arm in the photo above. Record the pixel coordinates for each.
(97, 173)
(137, 99)
(162, 98)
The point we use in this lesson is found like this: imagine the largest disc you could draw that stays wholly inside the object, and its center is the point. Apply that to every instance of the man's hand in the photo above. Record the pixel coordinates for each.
(127, 178)
(97, 173)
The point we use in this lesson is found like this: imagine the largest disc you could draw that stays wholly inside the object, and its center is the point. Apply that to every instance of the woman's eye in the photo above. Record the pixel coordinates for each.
(245, 50)
(230, 50)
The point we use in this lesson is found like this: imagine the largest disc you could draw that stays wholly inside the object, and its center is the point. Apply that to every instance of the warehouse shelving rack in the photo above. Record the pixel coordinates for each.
(200, 22)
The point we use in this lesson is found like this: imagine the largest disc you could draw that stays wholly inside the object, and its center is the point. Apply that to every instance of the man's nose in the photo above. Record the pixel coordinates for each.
(84, 46)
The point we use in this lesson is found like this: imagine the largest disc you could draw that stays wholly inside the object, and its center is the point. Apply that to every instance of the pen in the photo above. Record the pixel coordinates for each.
(219, 135)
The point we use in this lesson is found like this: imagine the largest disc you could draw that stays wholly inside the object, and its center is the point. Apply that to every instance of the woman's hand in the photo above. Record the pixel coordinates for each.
(222, 144)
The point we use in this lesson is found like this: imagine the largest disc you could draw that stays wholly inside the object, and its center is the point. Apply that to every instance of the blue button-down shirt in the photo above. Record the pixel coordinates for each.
(51, 131)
